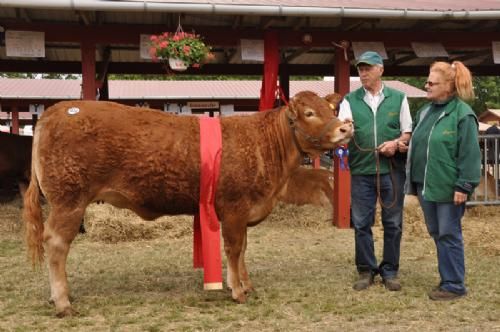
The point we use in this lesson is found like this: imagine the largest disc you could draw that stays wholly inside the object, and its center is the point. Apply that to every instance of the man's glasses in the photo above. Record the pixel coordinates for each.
(431, 84)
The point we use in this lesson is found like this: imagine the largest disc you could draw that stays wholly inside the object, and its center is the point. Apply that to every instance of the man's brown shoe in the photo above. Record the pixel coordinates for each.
(392, 284)
(365, 280)
(442, 295)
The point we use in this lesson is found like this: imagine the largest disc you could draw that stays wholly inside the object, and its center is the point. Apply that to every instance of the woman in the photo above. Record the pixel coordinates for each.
(443, 168)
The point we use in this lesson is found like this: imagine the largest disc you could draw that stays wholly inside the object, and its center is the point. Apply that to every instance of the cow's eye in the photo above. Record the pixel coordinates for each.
(309, 113)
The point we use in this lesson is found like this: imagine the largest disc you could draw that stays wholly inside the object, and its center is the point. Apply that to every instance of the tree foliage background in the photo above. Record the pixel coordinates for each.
(486, 89)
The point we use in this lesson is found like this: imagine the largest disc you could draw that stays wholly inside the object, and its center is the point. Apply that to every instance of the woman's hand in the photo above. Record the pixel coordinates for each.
(459, 198)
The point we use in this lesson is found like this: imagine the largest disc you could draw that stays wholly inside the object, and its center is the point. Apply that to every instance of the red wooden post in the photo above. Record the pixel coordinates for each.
(15, 121)
(88, 69)
(316, 162)
(341, 177)
(271, 66)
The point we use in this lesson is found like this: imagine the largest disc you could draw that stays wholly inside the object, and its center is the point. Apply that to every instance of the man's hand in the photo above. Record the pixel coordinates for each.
(459, 198)
(388, 148)
(403, 146)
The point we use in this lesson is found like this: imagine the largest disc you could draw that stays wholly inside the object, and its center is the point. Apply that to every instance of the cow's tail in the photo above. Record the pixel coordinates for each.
(33, 219)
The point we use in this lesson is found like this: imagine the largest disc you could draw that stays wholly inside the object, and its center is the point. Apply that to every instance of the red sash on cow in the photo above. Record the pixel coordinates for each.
(206, 240)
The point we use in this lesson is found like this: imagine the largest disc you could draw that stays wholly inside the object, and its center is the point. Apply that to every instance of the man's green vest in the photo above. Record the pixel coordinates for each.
(370, 131)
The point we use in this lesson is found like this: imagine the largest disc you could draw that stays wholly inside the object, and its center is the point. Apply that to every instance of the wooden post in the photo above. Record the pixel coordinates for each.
(88, 69)
(14, 129)
(316, 162)
(271, 67)
(341, 177)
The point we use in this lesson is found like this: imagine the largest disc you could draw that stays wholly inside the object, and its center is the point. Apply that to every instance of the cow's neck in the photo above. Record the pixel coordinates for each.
(287, 150)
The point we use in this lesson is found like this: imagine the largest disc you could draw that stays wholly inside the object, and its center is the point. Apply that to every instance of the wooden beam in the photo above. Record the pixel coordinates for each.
(84, 17)
(221, 36)
(238, 19)
(22, 14)
(297, 53)
(471, 55)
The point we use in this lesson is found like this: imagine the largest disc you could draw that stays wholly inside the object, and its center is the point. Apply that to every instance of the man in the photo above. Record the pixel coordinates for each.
(382, 127)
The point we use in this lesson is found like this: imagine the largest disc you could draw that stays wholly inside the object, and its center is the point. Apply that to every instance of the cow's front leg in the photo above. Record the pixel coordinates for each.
(244, 277)
(233, 235)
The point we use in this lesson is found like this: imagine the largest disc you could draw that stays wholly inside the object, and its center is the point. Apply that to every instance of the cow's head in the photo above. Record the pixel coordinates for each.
(314, 123)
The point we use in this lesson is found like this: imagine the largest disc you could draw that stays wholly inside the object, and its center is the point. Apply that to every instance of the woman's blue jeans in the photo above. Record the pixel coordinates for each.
(444, 223)
(363, 205)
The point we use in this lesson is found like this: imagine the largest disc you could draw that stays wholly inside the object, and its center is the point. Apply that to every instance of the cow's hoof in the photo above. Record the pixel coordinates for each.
(67, 312)
(241, 299)
(249, 290)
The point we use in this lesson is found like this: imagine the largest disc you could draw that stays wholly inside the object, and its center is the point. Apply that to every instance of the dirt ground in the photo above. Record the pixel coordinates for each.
(127, 274)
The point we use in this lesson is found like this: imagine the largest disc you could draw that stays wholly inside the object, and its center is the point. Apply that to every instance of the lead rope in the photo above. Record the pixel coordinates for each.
(377, 163)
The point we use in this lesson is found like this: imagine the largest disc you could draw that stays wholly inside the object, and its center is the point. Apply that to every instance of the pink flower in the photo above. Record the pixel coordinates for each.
(163, 44)
(186, 49)
(153, 38)
(196, 65)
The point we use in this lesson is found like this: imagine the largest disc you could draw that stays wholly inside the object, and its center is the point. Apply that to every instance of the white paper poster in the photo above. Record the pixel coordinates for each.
(145, 45)
(496, 51)
(429, 50)
(361, 47)
(252, 50)
(27, 44)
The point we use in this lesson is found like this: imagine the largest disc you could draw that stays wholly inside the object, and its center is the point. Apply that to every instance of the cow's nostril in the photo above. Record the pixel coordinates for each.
(343, 130)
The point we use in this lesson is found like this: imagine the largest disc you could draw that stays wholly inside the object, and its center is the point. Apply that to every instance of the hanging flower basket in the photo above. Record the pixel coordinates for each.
(177, 64)
(180, 49)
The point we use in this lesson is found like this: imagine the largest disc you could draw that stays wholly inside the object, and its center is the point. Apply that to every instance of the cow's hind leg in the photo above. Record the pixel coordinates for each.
(60, 230)
(234, 234)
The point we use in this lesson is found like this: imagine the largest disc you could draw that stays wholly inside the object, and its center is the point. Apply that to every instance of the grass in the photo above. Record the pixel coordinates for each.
(302, 269)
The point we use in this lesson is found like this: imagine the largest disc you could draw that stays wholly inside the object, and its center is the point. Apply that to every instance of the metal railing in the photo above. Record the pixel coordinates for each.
(487, 193)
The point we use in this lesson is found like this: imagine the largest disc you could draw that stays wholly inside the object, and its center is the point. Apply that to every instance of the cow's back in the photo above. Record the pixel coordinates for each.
(136, 158)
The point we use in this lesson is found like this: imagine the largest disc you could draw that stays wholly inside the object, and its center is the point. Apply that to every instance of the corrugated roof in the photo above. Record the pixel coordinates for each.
(18, 88)
(122, 89)
(496, 112)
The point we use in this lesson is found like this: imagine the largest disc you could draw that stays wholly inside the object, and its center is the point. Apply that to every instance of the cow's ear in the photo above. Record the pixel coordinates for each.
(291, 110)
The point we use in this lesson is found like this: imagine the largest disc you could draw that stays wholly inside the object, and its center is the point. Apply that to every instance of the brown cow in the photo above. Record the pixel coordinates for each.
(308, 186)
(149, 162)
(15, 162)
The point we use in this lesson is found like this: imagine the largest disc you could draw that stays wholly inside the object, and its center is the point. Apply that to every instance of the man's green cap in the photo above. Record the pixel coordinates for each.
(371, 58)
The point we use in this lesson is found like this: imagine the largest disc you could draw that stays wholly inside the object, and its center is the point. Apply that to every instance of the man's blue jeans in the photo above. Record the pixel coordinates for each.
(363, 205)
(444, 223)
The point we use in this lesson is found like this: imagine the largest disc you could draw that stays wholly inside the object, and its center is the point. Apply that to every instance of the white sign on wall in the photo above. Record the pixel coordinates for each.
(429, 50)
(252, 50)
(361, 47)
(28, 44)
(36, 109)
(496, 51)
(203, 104)
(145, 45)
